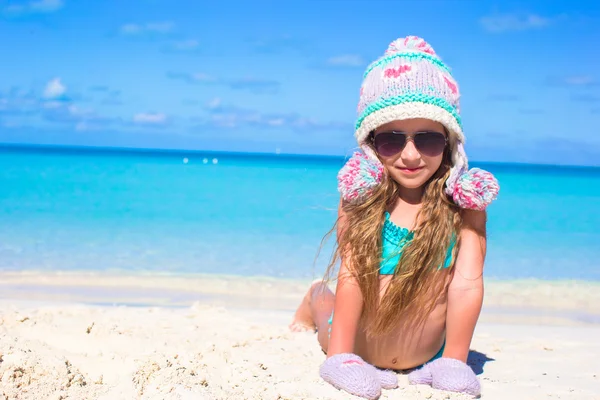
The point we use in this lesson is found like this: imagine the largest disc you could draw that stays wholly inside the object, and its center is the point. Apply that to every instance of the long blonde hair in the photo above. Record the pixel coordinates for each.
(418, 283)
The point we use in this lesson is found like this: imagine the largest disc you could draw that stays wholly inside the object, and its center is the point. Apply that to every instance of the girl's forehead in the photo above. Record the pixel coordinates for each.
(411, 125)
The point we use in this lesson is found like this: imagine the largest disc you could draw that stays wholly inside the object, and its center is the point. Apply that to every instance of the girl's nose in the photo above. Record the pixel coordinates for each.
(410, 152)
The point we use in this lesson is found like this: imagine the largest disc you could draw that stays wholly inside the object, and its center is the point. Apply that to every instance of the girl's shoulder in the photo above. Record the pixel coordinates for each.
(474, 220)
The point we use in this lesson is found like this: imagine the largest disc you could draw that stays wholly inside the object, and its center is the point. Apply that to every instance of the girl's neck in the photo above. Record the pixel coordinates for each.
(410, 196)
(406, 208)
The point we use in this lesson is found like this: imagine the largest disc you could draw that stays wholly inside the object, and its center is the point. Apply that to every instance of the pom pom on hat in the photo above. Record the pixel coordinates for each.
(359, 177)
(475, 189)
(410, 43)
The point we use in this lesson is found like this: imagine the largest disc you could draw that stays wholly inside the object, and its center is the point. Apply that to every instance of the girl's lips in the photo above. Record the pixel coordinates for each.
(410, 170)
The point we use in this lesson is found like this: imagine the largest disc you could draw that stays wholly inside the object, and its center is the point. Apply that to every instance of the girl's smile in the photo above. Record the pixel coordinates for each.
(410, 171)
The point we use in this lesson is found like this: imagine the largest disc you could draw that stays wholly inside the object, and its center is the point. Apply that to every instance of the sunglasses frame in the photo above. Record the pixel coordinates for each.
(408, 136)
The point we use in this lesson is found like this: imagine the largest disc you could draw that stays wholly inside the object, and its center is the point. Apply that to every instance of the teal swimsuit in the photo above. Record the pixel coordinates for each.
(394, 238)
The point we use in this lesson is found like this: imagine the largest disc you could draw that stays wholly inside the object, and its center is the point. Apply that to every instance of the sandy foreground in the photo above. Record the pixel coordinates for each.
(111, 336)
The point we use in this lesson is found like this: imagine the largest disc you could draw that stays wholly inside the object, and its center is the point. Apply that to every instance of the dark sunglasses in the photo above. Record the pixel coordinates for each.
(428, 143)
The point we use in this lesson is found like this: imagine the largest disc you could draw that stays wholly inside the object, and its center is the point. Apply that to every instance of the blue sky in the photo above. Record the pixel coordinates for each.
(261, 76)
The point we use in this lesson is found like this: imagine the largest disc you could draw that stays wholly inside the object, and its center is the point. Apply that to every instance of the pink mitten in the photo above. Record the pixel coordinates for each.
(350, 373)
(447, 374)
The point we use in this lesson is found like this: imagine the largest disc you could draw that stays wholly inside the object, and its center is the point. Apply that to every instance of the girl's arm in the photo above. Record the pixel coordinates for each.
(347, 310)
(465, 293)
(348, 304)
(343, 368)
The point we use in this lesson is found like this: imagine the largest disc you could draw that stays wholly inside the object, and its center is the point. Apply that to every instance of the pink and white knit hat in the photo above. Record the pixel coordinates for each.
(411, 81)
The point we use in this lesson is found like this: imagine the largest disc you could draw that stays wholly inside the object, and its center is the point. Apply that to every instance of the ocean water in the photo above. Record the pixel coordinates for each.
(74, 209)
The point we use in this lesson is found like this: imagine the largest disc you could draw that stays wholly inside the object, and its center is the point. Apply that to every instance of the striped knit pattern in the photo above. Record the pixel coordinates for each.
(408, 81)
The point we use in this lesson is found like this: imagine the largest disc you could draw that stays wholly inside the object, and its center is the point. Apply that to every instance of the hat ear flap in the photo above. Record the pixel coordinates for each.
(473, 189)
(359, 177)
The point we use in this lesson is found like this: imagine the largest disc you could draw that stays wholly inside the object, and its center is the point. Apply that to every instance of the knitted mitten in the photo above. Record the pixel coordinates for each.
(447, 374)
(350, 373)
(421, 376)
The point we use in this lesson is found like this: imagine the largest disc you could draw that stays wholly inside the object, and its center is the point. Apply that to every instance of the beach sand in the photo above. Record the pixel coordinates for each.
(112, 336)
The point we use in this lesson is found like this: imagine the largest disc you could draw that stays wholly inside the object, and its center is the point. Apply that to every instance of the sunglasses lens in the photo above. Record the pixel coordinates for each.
(388, 143)
(430, 143)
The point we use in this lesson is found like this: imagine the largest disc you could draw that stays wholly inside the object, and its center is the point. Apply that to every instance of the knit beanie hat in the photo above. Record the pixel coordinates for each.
(411, 81)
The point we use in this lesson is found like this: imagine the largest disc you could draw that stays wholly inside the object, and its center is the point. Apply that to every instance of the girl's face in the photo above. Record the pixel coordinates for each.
(411, 150)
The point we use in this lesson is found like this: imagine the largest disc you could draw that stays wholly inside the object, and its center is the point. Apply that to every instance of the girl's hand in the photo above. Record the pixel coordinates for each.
(447, 374)
(349, 372)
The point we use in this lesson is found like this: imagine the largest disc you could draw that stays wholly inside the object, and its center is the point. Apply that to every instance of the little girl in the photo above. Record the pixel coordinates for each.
(411, 236)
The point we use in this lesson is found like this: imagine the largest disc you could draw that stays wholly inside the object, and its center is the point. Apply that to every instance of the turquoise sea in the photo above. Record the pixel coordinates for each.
(252, 214)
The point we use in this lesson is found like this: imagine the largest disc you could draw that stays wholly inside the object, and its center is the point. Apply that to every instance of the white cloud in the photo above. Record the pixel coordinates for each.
(150, 118)
(156, 27)
(202, 77)
(11, 124)
(514, 22)
(33, 7)
(54, 89)
(212, 104)
(184, 45)
(131, 29)
(582, 80)
(78, 111)
(225, 120)
(276, 122)
(198, 77)
(85, 126)
(81, 126)
(14, 9)
(162, 27)
(52, 105)
(346, 60)
(227, 116)
(44, 6)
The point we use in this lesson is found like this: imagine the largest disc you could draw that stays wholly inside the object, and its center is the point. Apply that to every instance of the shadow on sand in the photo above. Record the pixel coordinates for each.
(477, 360)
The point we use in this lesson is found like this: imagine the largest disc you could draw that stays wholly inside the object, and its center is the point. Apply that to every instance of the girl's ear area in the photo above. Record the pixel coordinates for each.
(475, 189)
(359, 177)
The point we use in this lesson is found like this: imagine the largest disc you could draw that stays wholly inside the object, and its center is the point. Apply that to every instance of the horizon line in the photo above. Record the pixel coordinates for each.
(160, 150)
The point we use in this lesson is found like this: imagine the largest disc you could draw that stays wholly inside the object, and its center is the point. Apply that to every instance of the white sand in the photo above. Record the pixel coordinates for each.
(228, 339)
